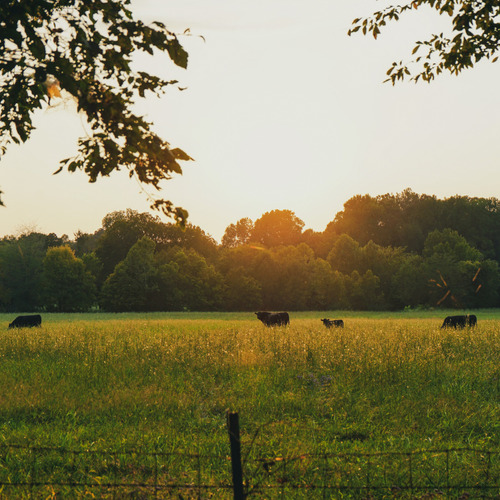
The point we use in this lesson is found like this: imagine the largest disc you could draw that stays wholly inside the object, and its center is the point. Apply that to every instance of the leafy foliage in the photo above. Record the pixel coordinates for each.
(131, 286)
(21, 268)
(122, 229)
(277, 227)
(474, 36)
(384, 252)
(84, 49)
(67, 285)
(405, 219)
(238, 234)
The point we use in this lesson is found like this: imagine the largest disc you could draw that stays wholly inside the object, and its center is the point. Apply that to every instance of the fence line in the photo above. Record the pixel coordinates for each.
(470, 471)
(376, 472)
(35, 467)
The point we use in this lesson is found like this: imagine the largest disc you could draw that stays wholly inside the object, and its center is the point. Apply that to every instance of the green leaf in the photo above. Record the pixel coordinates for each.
(21, 131)
(178, 55)
(178, 154)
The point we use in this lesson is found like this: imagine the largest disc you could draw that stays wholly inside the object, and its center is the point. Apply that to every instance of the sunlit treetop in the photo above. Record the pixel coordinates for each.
(475, 35)
(84, 49)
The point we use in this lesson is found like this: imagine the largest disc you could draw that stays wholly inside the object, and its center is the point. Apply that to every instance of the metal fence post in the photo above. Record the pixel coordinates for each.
(233, 427)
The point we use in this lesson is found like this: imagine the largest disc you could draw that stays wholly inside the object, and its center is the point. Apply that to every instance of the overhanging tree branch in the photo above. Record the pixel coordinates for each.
(475, 35)
(85, 48)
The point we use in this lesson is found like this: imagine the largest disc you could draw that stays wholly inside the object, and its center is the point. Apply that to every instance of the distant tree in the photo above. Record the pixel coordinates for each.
(84, 49)
(266, 272)
(482, 290)
(92, 264)
(476, 219)
(293, 276)
(241, 292)
(384, 262)
(346, 255)
(189, 236)
(473, 37)
(363, 291)
(278, 227)
(326, 287)
(410, 284)
(320, 242)
(133, 284)
(19, 276)
(401, 220)
(66, 285)
(21, 264)
(405, 219)
(449, 246)
(454, 267)
(238, 234)
(86, 243)
(169, 295)
(243, 256)
(360, 219)
(199, 283)
(122, 229)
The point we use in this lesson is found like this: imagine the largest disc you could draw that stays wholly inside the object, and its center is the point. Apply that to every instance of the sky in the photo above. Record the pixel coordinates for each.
(282, 110)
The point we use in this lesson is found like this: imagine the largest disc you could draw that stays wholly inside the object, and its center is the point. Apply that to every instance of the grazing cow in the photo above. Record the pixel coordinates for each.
(26, 321)
(454, 322)
(338, 323)
(273, 319)
(460, 321)
(472, 320)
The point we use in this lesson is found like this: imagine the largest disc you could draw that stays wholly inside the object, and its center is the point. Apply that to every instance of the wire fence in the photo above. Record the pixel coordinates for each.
(33, 472)
(451, 473)
(55, 472)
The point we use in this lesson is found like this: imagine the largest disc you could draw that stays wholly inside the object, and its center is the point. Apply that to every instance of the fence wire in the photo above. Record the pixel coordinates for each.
(33, 472)
(451, 473)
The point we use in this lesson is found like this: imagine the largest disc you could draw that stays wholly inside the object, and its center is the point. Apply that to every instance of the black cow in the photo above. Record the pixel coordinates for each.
(273, 319)
(460, 321)
(472, 320)
(26, 321)
(338, 323)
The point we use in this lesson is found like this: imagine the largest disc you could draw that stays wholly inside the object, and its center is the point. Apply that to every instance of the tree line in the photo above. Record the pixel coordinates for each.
(383, 252)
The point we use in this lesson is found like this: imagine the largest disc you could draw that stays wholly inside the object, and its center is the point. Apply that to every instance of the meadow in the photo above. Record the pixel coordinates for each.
(387, 382)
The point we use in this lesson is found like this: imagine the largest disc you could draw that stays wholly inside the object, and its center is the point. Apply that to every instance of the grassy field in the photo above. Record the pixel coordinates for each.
(387, 382)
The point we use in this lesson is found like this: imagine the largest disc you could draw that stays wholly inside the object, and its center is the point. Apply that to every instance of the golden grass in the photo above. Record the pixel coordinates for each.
(391, 379)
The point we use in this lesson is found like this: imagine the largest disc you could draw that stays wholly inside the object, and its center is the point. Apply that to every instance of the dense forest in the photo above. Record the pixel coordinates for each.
(383, 252)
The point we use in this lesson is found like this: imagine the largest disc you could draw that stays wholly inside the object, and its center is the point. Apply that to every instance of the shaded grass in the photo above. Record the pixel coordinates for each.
(438, 314)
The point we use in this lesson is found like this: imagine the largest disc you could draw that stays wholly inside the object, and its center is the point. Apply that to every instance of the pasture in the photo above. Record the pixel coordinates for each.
(163, 382)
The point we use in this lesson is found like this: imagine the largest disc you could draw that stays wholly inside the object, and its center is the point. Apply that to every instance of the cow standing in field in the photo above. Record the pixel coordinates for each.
(26, 321)
(273, 319)
(460, 321)
(472, 320)
(337, 323)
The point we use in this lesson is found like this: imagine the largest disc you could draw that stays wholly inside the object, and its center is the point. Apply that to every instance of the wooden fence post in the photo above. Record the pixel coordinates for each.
(233, 427)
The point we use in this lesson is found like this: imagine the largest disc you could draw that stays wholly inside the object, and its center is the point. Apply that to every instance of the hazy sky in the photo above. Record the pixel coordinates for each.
(282, 111)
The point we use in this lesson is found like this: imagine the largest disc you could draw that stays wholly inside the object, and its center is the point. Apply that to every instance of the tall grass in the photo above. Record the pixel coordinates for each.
(163, 382)
(377, 384)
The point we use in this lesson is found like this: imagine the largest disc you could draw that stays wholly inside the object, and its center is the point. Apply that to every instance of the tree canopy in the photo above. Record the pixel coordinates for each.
(277, 227)
(84, 49)
(383, 252)
(475, 35)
